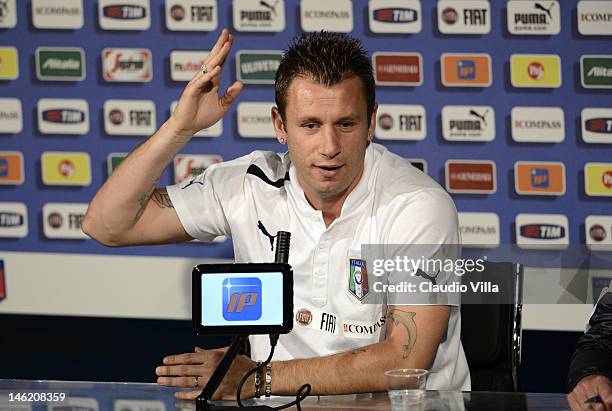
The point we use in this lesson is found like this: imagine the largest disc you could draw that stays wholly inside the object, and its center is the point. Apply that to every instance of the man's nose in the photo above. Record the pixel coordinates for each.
(330, 142)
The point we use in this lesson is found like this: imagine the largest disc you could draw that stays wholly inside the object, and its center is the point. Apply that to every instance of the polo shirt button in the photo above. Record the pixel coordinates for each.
(320, 273)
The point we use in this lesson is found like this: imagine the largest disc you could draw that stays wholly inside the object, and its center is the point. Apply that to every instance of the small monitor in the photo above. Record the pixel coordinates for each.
(231, 299)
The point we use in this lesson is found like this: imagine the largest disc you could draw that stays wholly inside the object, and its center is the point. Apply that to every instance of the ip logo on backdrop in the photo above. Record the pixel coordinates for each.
(539, 178)
(464, 17)
(468, 123)
(62, 168)
(395, 16)
(257, 67)
(533, 17)
(596, 70)
(191, 15)
(596, 125)
(479, 230)
(129, 117)
(11, 168)
(9, 63)
(57, 14)
(542, 231)
(60, 63)
(470, 176)
(11, 116)
(255, 120)
(185, 64)
(127, 65)
(538, 124)
(191, 165)
(8, 14)
(466, 70)
(213, 131)
(398, 69)
(13, 220)
(535, 70)
(598, 232)
(63, 116)
(124, 14)
(259, 15)
(336, 15)
(401, 122)
(598, 179)
(63, 220)
(242, 299)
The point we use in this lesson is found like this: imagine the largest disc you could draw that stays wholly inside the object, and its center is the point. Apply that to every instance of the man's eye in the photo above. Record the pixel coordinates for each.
(310, 125)
(346, 124)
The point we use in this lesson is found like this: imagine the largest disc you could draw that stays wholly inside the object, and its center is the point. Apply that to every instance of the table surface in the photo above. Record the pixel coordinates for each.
(99, 396)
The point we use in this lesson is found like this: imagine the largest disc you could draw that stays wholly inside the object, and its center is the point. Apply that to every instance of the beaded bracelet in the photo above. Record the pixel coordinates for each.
(257, 380)
(268, 387)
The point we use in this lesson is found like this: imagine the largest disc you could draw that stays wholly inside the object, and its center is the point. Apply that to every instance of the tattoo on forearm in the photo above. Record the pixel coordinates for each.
(407, 320)
(162, 199)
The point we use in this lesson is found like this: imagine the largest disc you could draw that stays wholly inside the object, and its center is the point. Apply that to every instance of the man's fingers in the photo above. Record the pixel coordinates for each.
(178, 370)
(231, 94)
(206, 78)
(189, 358)
(225, 34)
(219, 58)
(179, 381)
(186, 395)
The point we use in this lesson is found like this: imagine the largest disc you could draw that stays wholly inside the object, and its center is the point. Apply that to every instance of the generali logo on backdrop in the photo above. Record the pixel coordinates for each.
(259, 15)
(542, 231)
(594, 18)
(124, 14)
(191, 165)
(401, 122)
(336, 15)
(185, 64)
(57, 14)
(129, 117)
(11, 116)
(464, 17)
(8, 14)
(63, 116)
(598, 232)
(479, 230)
(537, 124)
(468, 123)
(535, 70)
(127, 65)
(470, 176)
(528, 17)
(63, 220)
(62, 168)
(191, 15)
(466, 70)
(597, 125)
(213, 131)
(539, 178)
(398, 69)
(395, 16)
(13, 220)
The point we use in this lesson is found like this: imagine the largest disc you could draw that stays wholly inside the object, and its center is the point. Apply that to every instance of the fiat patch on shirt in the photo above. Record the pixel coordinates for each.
(358, 278)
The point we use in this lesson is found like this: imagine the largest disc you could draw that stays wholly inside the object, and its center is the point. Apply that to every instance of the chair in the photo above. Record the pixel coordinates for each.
(491, 333)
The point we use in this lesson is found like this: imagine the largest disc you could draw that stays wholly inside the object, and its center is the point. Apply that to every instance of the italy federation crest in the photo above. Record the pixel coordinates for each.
(358, 278)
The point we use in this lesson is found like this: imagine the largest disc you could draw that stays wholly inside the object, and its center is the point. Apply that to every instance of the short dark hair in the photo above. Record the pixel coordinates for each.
(327, 58)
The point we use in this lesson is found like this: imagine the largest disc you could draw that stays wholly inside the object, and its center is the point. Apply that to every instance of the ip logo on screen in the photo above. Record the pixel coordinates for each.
(242, 299)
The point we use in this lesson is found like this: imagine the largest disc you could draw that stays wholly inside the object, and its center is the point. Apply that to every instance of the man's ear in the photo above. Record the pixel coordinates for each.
(279, 126)
(372, 127)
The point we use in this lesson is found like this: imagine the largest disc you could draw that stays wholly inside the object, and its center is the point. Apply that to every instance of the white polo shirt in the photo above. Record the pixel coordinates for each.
(394, 203)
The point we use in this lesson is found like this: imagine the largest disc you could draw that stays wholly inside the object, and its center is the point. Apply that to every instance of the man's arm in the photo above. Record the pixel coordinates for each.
(129, 209)
(412, 339)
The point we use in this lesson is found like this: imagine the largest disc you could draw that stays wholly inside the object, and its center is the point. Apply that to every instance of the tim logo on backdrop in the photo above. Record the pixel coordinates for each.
(242, 299)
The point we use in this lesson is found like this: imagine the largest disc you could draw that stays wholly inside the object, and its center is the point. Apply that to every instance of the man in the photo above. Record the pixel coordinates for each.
(333, 191)
(590, 373)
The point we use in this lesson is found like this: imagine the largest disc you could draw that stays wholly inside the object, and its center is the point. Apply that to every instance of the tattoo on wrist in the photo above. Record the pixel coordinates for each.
(162, 199)
(407, 320)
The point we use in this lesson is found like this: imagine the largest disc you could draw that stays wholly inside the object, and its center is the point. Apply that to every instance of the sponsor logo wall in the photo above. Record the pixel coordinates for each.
(506, 104)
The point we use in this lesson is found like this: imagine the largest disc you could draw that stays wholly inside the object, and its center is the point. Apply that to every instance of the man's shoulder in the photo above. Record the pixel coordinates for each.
(261, 164)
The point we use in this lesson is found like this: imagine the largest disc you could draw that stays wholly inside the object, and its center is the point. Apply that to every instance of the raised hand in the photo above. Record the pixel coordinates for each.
(200, 105)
